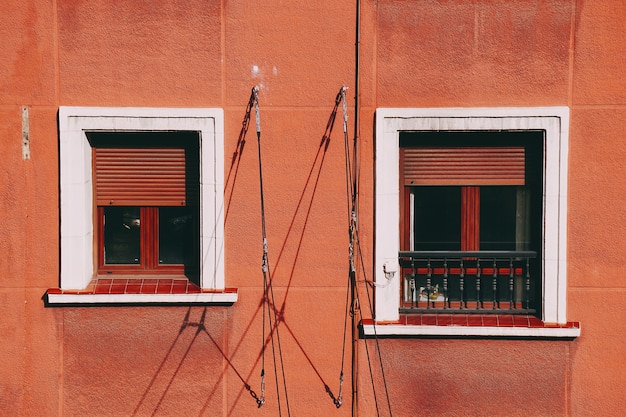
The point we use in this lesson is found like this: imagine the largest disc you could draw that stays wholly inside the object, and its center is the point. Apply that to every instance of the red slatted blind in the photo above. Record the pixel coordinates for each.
(464, 166)
(139, 176)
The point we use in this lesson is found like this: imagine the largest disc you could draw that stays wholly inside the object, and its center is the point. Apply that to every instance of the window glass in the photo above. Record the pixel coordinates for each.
(122, 235)
(437, 218)
(438, 212)
(498, 214)
(175, 234)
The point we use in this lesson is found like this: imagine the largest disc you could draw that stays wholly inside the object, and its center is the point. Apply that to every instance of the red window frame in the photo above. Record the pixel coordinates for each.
(469, 213)
(148, 170)
(470, 167)
(149, 248)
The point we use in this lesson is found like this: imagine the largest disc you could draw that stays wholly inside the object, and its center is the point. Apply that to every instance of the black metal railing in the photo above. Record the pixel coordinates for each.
(468, 281)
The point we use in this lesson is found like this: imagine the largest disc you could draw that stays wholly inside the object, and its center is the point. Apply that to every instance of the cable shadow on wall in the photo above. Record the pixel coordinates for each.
(233, 171)
(146, 407)
(304, 205)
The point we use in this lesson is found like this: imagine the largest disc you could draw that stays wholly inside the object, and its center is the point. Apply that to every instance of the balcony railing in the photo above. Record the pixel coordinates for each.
(468, 281)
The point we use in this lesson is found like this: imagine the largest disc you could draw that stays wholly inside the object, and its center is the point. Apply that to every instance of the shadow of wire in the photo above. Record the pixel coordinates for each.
(200, 328)
(184, 325)
(237, 154)
(312, 178)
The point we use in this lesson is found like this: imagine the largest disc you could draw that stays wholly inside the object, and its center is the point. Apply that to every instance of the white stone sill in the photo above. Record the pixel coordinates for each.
(215, 298)
(407, 330)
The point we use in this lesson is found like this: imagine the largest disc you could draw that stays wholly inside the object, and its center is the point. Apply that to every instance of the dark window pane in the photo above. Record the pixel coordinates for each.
(498, 207)
(175, 234)
(121, 235)
(437, 218)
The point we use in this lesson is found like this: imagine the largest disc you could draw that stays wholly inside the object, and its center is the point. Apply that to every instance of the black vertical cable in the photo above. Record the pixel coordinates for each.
(254, 99)
(354, 214)
(354, 235)
(267, 286)
(342, 96)
(357, 93)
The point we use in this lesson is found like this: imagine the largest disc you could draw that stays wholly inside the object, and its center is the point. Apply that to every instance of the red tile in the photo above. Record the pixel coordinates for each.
(429, 319)
(486, 320)
(133, 286)
(444, 320)
(459, 319)
(118, 288)
(505, 320)
(193, 288)
(148, 288)
(490, 320)
(140, 286)
(521, 321)
(164, 286)
(179, 287)
(102, 288)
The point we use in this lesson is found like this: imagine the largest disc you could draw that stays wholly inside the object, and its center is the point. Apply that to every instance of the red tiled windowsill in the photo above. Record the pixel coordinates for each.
(469, 325)
(140, 291)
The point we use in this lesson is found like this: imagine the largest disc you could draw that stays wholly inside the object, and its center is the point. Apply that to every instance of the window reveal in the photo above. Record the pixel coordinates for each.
(147, 202)
(461, 193)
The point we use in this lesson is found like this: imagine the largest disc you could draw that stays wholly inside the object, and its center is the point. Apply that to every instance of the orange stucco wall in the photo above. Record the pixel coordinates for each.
(114, 361)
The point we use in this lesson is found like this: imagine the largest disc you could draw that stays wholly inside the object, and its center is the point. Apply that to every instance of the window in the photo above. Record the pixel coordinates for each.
(531, 206)
(146, 192)
(166, 235)
(470, 192)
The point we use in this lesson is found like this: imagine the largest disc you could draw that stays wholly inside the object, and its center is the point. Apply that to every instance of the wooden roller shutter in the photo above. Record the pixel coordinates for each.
(464, 165)
(139, 176)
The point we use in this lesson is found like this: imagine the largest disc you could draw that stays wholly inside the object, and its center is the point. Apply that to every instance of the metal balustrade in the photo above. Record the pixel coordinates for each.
(468, 281)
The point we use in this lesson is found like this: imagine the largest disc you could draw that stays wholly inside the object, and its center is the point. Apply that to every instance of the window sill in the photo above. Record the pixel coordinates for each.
(470, 325)
(139, 291)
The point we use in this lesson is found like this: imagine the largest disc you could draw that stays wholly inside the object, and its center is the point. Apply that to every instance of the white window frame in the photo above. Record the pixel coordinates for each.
(76, 196)
(390, 122)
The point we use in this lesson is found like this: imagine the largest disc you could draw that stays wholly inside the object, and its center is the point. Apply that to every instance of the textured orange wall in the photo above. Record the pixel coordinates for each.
(30, 352)
(180, 361)
(596, 200)
(139, 53)
(481, 53)
(596, 257)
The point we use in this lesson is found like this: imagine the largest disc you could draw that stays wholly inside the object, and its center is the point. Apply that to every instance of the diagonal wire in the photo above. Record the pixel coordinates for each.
(266, 271)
